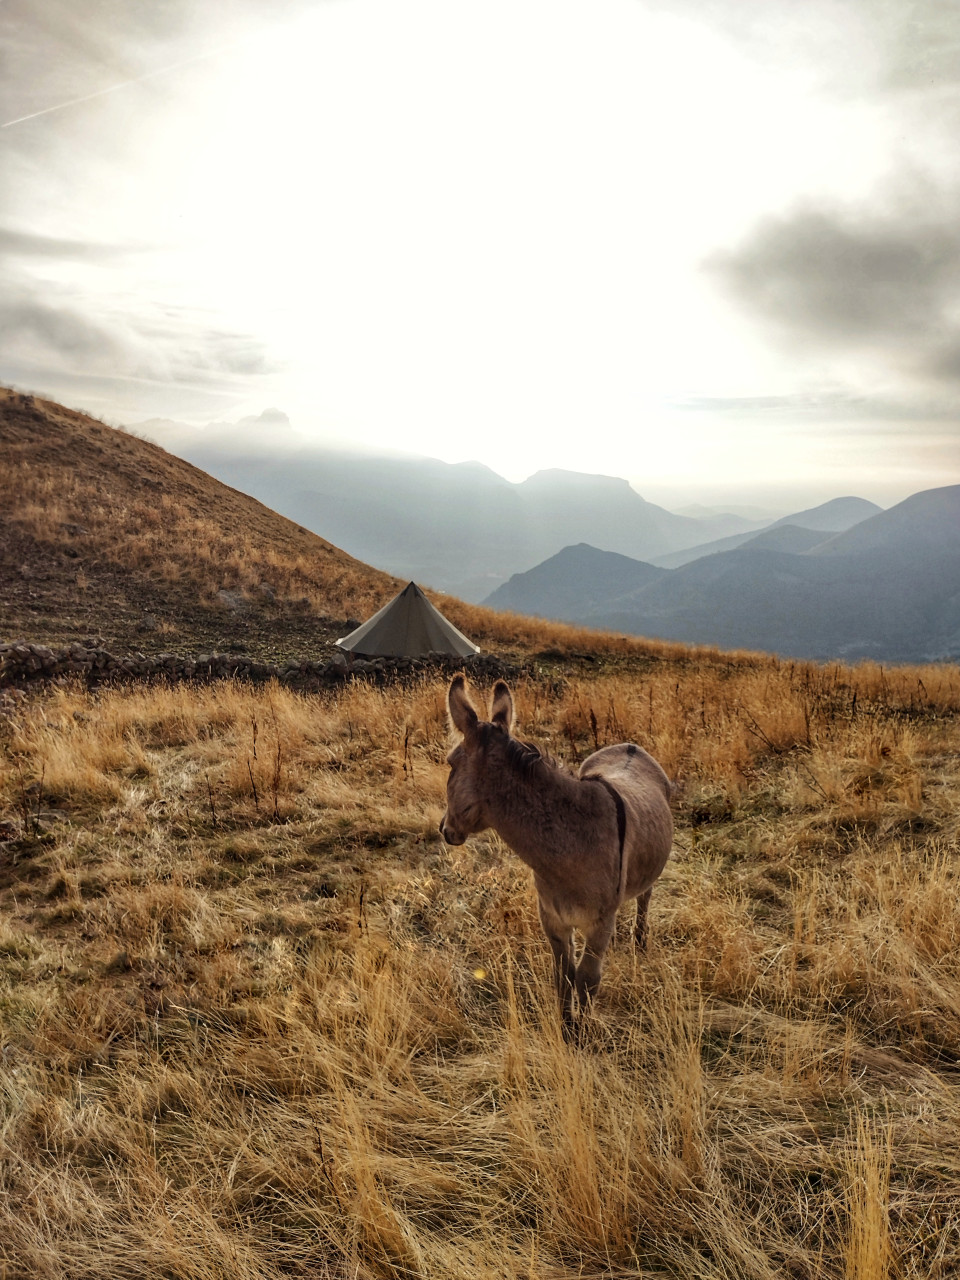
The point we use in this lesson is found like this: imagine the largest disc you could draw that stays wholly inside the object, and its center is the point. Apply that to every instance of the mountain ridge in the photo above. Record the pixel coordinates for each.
(835, 515)
(460, 527)
(888, 588)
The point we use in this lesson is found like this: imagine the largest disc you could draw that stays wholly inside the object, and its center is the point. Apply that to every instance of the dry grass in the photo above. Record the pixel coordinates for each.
(169, 540)
(257, 1021)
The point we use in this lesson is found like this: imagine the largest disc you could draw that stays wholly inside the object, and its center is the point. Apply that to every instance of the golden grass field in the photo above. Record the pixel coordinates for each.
(258, 1021)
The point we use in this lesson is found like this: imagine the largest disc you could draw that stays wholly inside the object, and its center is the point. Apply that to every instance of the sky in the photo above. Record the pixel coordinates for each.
(709, 245)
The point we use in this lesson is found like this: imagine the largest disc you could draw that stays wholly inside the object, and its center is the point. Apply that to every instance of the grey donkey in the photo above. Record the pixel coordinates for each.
(593, 840)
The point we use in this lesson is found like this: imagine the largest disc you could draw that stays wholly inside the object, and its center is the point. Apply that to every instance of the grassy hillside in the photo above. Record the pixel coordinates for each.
(257, 1021)
(107, 535)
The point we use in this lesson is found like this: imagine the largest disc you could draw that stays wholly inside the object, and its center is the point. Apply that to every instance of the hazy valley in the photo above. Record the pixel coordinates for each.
(459, 528)
(586, 549)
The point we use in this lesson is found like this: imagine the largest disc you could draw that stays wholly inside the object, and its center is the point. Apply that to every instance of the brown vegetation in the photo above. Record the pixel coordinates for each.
(257, 1021)
(104, 528)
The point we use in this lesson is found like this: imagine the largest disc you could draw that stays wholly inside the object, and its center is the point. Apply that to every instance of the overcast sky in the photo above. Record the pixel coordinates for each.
(710, 245)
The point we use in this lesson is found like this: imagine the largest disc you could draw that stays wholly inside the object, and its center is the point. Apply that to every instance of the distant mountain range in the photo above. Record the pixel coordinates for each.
(885, 587)
(830, 517)
(457, 527)
(844, 579)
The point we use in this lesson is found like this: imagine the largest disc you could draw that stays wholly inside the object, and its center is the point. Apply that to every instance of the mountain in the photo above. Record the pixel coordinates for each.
(887, 588)
(924, 522)
(608, 511)
(104, 535)
(575, 580)
(785, 537)
(460, 527)
(829, 517)
(838, 513)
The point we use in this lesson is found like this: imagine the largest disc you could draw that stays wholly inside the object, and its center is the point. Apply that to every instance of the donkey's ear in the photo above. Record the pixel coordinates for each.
(501, 706)
(460, 707)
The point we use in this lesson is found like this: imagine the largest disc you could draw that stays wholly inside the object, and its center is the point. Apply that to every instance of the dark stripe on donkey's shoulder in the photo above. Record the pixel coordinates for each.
(618, 801)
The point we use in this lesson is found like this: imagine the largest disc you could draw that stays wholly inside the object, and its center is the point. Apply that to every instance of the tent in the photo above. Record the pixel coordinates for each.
(408, 627)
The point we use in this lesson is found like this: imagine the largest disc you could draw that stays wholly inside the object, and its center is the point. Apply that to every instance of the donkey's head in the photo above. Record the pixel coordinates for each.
(472, 760)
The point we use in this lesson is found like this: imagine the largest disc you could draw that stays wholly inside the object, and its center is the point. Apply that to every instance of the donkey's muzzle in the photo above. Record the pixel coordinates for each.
(451, 837)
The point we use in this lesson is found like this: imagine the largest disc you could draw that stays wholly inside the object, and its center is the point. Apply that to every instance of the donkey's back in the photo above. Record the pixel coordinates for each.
(645, 791)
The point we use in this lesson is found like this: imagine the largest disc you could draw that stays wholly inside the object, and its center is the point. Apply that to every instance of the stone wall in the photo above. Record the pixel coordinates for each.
(22, 662)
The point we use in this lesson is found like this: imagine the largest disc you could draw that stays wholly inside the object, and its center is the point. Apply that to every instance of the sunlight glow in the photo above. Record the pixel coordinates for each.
(469, 231)
(456, 255)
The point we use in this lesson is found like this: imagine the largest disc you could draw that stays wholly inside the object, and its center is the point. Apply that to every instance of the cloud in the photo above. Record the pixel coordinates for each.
(55, 53)
(833, 405)
(30, 329)
(27, 245)
(67, 331)
(855, 47)
(105, 328)
(214, 351)
(888, 285)
(920, 41)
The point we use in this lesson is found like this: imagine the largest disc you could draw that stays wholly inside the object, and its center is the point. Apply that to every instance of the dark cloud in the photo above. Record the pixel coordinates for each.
(60, 328)
(29, 327)
(944, 360)
(889, 285)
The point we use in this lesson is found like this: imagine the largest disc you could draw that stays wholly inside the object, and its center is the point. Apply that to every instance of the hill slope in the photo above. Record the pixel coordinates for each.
(573, 582)
(107, 535)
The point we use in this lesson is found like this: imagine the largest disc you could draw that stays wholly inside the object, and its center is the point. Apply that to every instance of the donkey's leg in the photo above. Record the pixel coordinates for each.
(591, 962)
(640, 931)
(560, 937)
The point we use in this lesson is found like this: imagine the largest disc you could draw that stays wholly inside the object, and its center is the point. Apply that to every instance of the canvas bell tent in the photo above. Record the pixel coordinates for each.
(408, 627)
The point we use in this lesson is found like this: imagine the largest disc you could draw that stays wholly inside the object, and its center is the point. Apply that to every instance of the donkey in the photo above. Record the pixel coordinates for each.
(593, 840)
